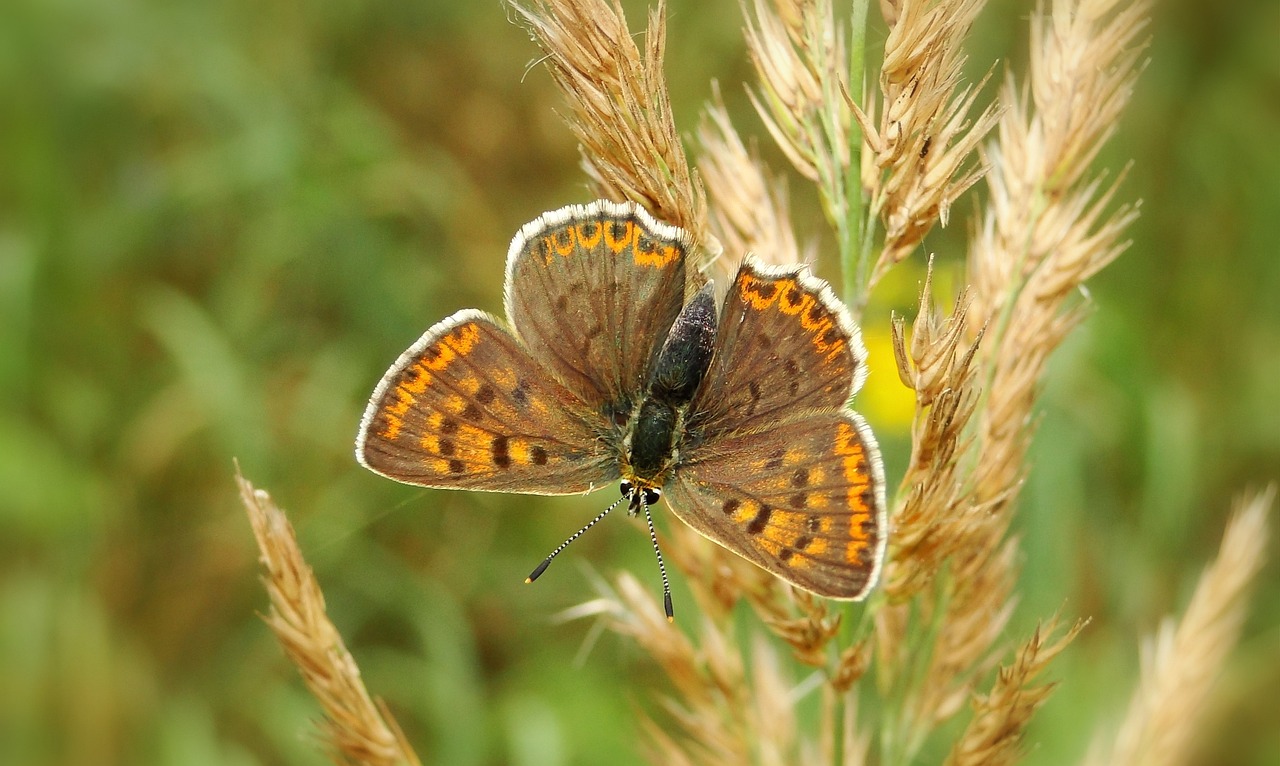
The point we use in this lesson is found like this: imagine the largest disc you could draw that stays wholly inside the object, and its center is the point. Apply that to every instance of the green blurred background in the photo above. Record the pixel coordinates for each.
(220, 222)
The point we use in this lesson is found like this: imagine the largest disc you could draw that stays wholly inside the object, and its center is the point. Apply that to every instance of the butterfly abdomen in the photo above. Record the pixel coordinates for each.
(686, 353)
(678, 371)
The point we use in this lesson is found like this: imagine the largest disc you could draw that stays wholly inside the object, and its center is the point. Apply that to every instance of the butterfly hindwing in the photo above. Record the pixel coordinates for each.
(803, 499)
(592, 290)
(785, 345)
(466, 407)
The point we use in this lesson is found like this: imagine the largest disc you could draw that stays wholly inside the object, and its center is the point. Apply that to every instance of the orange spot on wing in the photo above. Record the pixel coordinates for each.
(773, 547)
(853, 459)
(619, 243)
(520, 452)
(564, 241)
(472, 445)
(792, 299)
(654, 257)
(435, 465)
(854, 550)
(591, 238)
(784, 527)
(392, 425)
(761, 294)
(416, 378)
(503, 377)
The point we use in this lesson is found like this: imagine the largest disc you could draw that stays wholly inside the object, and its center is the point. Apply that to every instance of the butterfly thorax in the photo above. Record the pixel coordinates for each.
(657, 423)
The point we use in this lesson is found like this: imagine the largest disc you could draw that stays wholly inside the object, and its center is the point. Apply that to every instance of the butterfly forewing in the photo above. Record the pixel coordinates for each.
(803, 499)
(785, 345)
(592, 291)
(467, 407)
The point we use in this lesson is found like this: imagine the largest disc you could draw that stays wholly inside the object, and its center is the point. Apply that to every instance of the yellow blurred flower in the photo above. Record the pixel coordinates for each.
(885, 402)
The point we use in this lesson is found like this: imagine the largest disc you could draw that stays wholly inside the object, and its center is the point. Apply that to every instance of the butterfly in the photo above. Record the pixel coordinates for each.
(608, 368)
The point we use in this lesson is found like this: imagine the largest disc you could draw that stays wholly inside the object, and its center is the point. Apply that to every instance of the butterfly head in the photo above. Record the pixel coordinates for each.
(639, 495)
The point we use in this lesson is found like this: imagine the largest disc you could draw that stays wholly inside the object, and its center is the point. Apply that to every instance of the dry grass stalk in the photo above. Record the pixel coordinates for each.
(1181, 662)
(749, 208)
(994, 735)
(918, 160)
(976, 604)
(1068, 236)
(1044, 229)
(722, 714)
(619, 109)
(357, 729)
(803, 68)
(934, 496)
(799, 58)
(934, 510)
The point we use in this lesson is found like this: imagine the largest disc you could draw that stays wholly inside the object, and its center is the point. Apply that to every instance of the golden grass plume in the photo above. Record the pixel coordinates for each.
(618, 106)
(1183, 659)
(356, 729)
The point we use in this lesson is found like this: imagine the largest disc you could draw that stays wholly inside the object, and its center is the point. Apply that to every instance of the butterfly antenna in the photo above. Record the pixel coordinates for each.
(662, 567)
(547, 561)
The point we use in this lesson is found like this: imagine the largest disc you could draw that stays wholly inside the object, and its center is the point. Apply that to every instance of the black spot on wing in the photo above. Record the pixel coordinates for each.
(760, 521)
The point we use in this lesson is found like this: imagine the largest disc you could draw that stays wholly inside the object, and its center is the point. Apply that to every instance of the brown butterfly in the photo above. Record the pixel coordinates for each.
(603, 372)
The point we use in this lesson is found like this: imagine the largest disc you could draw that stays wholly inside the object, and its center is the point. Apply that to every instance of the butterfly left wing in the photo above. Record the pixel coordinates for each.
(591, 291)
(803, 499)
(785, 345)
(467, 407)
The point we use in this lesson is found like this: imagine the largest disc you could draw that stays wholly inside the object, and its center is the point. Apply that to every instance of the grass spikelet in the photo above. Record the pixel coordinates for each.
(933, 496)
(357, 730)
(618, 106)
(1181, 661)
(994, 735)
(750, 212)
(918, 158)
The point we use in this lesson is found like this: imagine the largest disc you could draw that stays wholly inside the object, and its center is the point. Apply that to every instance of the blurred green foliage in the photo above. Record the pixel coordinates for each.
(219, 222)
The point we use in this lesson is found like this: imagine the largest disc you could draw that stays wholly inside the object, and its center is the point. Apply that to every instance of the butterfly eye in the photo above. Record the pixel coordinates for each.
(626, 487)
(651, 495)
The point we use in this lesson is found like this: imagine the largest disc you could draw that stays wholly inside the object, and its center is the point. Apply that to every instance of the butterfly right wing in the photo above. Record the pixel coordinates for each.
(803, 500)
(467, 407)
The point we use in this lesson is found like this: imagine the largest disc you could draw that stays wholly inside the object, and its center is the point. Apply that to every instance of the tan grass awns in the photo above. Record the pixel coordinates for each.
(618, 106)
(356, 729)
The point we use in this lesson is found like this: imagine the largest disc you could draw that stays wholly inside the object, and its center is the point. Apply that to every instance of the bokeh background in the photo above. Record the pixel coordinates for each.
(221, 221)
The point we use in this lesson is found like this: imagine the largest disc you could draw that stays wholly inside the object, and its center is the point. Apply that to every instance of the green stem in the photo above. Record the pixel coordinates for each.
(853, 255)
